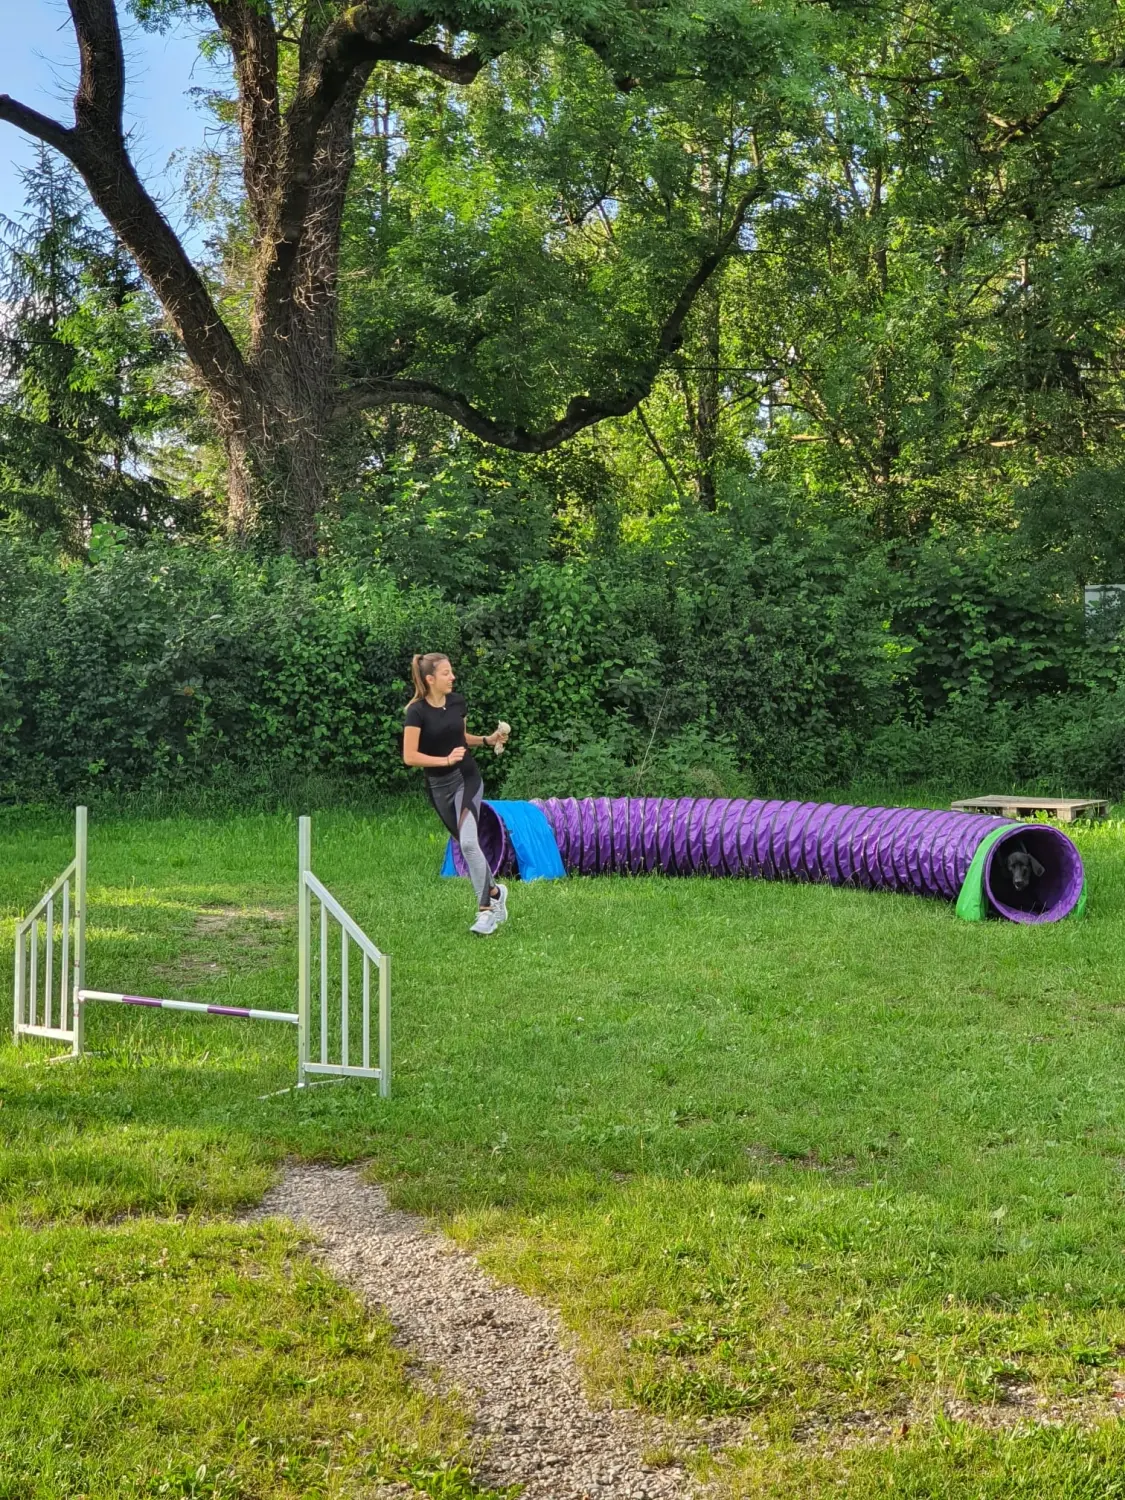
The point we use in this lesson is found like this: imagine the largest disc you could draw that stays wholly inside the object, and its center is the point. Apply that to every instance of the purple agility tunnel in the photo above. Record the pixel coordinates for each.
(914, 850)
(924, 852)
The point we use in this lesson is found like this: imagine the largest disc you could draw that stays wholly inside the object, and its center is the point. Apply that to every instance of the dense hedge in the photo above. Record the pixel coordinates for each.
(740, 650)
(165, 665)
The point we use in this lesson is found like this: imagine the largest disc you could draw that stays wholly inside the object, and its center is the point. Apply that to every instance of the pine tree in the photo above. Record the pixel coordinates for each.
(90, 383)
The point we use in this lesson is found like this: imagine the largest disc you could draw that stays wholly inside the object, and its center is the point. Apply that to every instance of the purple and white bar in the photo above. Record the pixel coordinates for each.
(189, 1005)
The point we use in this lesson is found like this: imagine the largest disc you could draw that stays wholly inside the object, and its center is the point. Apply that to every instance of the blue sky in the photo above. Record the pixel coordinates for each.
(39, 66)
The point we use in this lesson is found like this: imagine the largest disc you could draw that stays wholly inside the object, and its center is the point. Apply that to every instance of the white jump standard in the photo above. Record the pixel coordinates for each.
(31, 1018)
(35, 984)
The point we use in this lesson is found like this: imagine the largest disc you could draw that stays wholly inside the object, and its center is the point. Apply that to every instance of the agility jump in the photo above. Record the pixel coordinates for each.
(51, 995)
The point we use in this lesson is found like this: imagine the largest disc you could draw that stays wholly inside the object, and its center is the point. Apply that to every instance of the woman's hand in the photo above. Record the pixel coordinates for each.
(456, 755)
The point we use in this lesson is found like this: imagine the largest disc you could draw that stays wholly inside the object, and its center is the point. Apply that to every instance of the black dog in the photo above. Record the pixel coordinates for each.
(1022, 866)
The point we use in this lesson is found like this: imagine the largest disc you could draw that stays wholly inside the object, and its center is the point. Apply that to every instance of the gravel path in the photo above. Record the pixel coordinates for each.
(506, 1352)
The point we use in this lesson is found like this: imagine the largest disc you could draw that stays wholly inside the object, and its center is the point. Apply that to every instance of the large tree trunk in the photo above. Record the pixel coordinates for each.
(276, 481)
(276, 451)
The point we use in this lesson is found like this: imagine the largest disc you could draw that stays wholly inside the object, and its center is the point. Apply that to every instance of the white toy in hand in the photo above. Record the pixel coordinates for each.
(503, 730)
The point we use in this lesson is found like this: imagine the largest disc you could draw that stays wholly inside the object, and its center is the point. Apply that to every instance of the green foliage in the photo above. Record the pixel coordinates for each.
(922, 326)
(984, 622)
(746, 650)
(689, 763)
(919, 320)
(1069, 744)
(525, 239)
(749, 629)
(159, 665)
(461, 521)
(91, 381)
(1079, 521)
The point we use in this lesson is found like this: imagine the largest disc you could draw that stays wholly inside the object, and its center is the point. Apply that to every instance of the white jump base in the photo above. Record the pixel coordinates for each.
(37, 989)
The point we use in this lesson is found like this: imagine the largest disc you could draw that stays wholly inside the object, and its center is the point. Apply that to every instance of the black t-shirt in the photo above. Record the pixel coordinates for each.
(442, 729)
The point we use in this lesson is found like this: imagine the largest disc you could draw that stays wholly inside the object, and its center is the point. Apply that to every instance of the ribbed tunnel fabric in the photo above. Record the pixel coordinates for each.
(917, 850)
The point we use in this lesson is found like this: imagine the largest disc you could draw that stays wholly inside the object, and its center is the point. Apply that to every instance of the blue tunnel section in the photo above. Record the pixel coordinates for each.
(517, 839)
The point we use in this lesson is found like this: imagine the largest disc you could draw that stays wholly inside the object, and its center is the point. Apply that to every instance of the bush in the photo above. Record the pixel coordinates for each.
(983, 623)
(1065, 744)
(162, 665)
(689, 764)
(743, 651)
(765, 637)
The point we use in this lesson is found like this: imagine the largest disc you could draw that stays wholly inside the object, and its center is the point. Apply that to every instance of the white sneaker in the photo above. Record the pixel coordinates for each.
(500, 904)
(485, 924)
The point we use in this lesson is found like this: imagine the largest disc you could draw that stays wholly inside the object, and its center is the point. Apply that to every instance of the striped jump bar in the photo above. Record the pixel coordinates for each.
(189, 1005)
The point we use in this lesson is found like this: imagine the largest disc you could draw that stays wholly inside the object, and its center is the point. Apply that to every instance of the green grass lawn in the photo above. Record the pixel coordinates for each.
(788, 1153)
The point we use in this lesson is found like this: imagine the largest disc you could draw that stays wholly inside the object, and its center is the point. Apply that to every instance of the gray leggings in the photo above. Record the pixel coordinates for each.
(473, 855)
(457, 800)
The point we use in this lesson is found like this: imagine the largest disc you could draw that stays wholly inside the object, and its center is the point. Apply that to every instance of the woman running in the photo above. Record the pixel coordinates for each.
(436, 738)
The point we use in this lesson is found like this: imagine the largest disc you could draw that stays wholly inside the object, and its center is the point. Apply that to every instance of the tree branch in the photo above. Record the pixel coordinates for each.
(581, 411)
(95, 145)
(333, 68)
(249, 29)
(362, 36)
(1018, 130)
(461, 69)
(100, 98)
(42, 127)
(657, 448)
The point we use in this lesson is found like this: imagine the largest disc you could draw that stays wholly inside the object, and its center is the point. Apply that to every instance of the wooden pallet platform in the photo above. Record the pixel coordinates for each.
(1065, 809)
